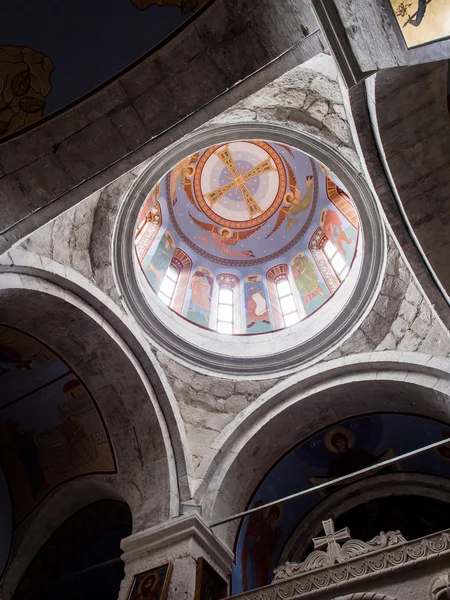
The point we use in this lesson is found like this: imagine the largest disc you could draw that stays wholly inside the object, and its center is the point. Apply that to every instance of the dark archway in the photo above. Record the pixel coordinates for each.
(81, 560)
(413, 515)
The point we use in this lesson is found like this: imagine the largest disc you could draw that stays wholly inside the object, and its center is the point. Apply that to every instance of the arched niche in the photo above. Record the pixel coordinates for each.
(303, 406)
(81, 559)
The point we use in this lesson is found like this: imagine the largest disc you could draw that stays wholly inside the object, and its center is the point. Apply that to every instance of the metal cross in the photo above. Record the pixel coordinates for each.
(331, 539)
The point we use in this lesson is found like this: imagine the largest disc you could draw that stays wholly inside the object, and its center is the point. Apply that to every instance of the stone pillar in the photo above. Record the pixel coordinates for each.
(180, 541)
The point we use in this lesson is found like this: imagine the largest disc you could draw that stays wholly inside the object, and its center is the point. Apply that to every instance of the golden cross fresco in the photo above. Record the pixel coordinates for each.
(422, 21)
(24, 87)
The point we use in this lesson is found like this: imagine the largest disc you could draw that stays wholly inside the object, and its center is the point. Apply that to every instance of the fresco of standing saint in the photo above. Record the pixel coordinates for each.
(306, 278)
(332, 227)
(201, 293)
(256, 306)
(160, 261)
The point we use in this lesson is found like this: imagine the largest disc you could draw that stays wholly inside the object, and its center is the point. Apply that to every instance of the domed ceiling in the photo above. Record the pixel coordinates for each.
(246, 237)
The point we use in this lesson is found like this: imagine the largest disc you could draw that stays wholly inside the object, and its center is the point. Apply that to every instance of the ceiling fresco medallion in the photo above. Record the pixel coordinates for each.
(240, 184)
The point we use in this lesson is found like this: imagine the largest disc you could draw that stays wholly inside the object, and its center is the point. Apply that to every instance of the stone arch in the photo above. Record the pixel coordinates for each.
(401, 118)
(306, 403)
(55, 510)
(147, 475)
(66, 283)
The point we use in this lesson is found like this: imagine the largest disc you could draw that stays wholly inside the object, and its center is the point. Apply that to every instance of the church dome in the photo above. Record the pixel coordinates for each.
(248, 238)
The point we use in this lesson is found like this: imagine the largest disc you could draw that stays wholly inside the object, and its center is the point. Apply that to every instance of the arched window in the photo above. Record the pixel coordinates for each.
(341, 201)
(228, 317)
(324, 258)
(282, 298)
(148, 227)
(287, 302)
(337, 262)
(169, 285)
(183, 263)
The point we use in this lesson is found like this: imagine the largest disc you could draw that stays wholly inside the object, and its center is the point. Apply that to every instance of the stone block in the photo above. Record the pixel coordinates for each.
(130, 127)
(420, 327)
(222, 387)
(410, 342)
(407, 311)
(338, 127)
(319, 109)
(399, 327)
(45, 179)
(92, 149)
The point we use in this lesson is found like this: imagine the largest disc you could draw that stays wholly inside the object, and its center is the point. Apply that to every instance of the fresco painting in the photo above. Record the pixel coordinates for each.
(422, 21)
(340, 450)
(249, 206)
(25, 85)
(309, 284)
(152, 584)
(258, 318)
(54, 53)
(200, 296)
(50, 428)
(157, 265)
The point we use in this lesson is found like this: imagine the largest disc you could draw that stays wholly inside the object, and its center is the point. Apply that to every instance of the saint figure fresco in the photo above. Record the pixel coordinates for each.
(50, 428)
(160, 261)
(261, 538)
(224, 238)
(306, 278)
(202, 283)
(332, 227)
(151, 585)
(256, 304)
(347, 458)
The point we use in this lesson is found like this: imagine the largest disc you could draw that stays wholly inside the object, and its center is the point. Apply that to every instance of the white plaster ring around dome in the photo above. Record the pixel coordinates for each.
(278, 352)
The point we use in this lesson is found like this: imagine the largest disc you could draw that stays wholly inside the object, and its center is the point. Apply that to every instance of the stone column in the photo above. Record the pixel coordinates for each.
(180, 541)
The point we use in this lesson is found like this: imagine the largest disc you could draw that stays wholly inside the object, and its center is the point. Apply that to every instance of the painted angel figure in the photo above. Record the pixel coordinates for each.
(294, 202)
(224, 238)
(183, 171)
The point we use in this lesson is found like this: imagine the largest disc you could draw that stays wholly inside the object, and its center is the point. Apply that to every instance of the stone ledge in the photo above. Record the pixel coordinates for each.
(173, 532)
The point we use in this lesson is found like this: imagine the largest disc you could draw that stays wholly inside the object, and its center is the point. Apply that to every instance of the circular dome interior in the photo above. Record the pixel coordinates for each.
(246, 237)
